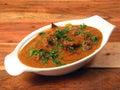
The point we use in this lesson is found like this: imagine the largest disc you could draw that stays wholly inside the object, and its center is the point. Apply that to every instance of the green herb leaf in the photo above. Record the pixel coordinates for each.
(83, 44)
(34, 52)
(53, 55)
(72, 49)
(57, 62)
(79, 32)
(65, 30)
(60, 33)
(89, 35)
(46, 55)
(82, 26)
(92, 37)
(42, 34)
(68, 38)
(31, 53)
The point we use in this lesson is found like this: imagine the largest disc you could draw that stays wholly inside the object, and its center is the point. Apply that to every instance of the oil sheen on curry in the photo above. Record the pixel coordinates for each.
(59, 46)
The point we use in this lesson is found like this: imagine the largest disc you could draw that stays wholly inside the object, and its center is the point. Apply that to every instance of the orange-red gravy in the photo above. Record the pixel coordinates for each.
(67, 56)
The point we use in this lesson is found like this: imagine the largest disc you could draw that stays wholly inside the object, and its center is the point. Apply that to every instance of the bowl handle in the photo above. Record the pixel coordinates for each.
(13, 66)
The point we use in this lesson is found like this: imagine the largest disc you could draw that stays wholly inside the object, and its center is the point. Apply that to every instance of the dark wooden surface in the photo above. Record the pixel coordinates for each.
(19, 18)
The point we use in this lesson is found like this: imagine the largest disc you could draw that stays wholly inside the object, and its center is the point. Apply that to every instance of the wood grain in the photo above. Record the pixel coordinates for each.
(109, 57)
(82, 79)
(20, 17)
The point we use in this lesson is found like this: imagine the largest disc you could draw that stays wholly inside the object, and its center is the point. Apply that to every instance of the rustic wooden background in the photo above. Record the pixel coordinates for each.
(20, 17)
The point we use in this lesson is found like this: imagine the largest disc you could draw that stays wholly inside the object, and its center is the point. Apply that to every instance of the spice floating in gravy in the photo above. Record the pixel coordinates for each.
(59, 46)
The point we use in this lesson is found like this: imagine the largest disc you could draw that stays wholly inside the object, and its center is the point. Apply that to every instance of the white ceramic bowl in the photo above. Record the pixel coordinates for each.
(14, 67)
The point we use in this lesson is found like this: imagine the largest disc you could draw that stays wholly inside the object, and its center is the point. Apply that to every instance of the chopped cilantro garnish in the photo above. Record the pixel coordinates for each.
(83, 44)
(34, 52)
(42, 34)
(46, 55)
(60, 33)
(31, 53)
(92, 37)
(53, 54)
(68, 38)
(79, 32)
(82, 26)
(57, 62)
(72, 49)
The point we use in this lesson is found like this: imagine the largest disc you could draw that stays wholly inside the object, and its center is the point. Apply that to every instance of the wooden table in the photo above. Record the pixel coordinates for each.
(20, 17)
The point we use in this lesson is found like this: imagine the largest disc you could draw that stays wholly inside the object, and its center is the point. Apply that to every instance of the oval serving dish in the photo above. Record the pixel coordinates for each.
(14, 66)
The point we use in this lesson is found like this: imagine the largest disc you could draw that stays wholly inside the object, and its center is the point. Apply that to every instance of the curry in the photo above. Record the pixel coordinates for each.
(59, 46)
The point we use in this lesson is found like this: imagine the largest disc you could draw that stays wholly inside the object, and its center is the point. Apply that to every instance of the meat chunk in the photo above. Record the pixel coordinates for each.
(68, 44)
